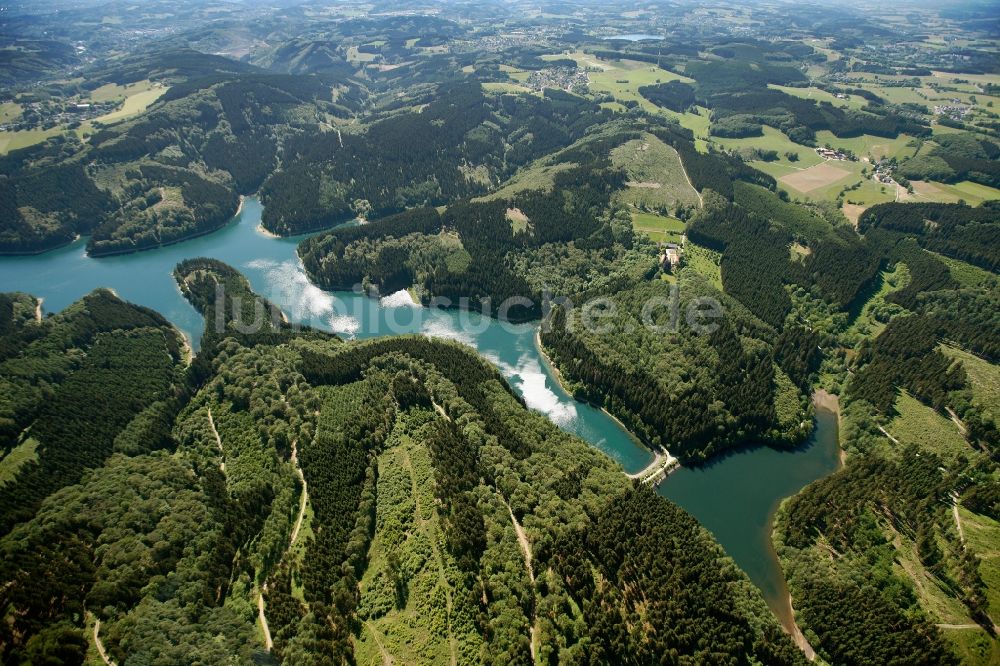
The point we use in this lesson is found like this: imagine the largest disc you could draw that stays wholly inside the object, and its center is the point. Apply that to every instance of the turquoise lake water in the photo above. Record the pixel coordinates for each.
(734, 497)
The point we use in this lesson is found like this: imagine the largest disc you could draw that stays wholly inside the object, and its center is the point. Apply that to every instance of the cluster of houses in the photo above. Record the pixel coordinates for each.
(47, 114)
(563, 78)
(955, 110)
(882, 171)
(832, 154)
(498, 43)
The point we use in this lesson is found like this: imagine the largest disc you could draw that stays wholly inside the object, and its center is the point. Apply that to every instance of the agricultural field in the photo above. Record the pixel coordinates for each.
(658, 227)
(867, 145)
(9, 111)
(819, 177)
(138, 97)
(773, 139)
(354, 55)
(622, 79)
(502, 87)
(22, 139)
(967, 191)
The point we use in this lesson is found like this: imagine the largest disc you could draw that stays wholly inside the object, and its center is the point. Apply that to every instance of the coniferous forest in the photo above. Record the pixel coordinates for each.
(401, 450)
(744, 256)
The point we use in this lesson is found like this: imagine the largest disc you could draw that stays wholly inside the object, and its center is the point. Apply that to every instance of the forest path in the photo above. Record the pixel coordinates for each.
(218, 440)
(268, 643)
(387, 659)
(99, 645)
(701, 201)
(303, 498)
(957, 421)
(886, 433)
(958, 518)
(522, 539)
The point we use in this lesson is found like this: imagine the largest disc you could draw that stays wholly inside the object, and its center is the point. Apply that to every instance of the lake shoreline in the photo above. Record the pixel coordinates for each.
(270, 264)
(33, 253)
(829, 402)
(823, 399)
(565, 387)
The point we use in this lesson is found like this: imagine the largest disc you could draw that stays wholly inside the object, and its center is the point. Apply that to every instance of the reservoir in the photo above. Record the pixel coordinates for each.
(734, 497)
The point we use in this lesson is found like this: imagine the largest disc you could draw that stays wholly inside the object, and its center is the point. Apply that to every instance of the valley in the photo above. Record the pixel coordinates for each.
(563, 333)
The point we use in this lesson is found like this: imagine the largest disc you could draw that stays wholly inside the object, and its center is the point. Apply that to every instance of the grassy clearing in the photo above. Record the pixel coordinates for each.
(786, 400)
(916, 423)
(658, 227)
(853, 212)
(813, 93)
(354, 55)
(14, 140)
(968, 275)
(655, 175)
(935, 600)
(135, 104)
(518, 220)
(9, 111)
(537, 176)
(983, 378)
(408, 597)
(774, 139)
(25, 452)
(298, 551)
(973, 191)
(974, 646)
(982, 535)
(866, 324)
(704, 261)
